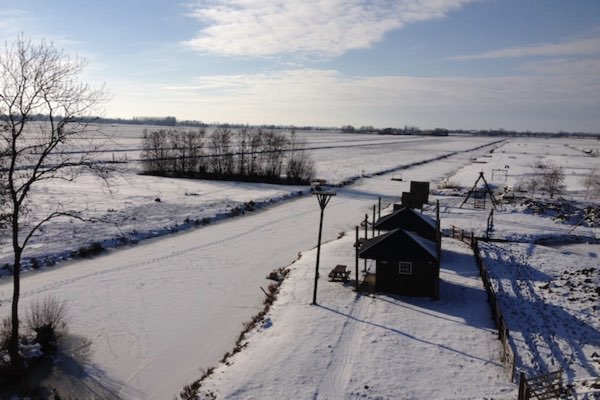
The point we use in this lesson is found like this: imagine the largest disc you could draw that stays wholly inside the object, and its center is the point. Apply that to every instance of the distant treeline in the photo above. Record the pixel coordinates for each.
(406, 130)
(413, 130)
(245, 154)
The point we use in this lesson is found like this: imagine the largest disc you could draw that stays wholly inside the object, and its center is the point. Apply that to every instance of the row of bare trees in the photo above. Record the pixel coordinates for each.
(251, 154)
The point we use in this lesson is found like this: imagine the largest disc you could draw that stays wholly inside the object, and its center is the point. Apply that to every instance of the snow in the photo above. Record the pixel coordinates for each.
(127, 210)
(551, 302)
(159, 311)
(373, 347)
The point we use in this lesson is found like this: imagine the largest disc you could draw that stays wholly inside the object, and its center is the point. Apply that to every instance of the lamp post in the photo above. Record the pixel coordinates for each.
(323, 198)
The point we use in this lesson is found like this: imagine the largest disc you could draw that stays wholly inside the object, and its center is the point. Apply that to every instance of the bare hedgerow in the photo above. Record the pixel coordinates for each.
(47, 319)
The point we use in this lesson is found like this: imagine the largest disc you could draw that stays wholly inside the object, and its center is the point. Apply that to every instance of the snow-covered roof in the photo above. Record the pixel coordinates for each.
(402, 218)
(388, 244)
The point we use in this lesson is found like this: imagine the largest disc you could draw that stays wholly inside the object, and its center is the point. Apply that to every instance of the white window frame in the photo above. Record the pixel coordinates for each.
(405, 264)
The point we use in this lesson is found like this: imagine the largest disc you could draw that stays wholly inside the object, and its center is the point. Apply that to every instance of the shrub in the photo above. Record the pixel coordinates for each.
(47, 319)
(91, 250)
(5, 332)
(446, 184)
(190, 392)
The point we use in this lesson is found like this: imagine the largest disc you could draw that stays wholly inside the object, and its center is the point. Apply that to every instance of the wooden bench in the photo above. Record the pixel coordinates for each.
(339, 272)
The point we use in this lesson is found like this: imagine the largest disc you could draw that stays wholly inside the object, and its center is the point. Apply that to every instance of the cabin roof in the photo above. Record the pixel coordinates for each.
(403, 218)
(387, 246)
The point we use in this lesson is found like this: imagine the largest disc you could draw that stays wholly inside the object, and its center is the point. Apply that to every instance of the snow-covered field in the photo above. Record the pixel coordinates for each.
(156, 312)
(551, 301)
(128, 209)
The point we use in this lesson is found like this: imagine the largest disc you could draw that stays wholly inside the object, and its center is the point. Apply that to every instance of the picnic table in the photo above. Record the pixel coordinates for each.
(339, 272)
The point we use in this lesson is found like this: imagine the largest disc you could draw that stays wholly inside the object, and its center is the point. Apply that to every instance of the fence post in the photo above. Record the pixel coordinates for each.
(356, 255)
(373, 228)
(522, 387)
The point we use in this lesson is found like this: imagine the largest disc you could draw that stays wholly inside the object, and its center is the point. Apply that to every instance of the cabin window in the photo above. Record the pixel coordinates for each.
(405, 268)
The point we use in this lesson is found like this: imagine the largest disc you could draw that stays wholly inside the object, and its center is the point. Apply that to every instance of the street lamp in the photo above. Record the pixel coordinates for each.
(323, 197)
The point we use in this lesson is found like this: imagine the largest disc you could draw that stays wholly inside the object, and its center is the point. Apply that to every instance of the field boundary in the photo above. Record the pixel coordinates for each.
(508, 352)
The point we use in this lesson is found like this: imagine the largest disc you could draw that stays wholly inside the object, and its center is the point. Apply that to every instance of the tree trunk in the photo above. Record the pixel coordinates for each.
(13, 347)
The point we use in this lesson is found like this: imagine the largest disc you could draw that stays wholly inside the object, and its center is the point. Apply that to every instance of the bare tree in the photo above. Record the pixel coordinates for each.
(548, 178)
(4, 212)
(38, 79)
(191, 145)
(255, 144)
(591, 183)
(220, 150)
(243, 144)
(273, 145)
(300, 166)
(552, 179)
(155, 153)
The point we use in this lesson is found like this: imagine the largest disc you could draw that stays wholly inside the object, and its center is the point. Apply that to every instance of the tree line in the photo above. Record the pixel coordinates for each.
(246, 153)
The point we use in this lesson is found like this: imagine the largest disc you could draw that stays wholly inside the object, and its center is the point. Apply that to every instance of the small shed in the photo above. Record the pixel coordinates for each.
(420, 192)
(406, 263)
(410, 220)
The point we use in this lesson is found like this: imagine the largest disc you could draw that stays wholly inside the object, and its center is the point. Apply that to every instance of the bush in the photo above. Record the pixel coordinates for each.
(446, 184)
(47, 319)
(5, 332)
(90, 251)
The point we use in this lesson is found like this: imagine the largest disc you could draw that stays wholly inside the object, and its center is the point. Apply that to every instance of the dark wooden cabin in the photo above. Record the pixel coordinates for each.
(406, 263)
(409, 220)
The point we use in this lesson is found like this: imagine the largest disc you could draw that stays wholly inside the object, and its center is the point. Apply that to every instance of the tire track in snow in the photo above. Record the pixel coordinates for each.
(339, 369)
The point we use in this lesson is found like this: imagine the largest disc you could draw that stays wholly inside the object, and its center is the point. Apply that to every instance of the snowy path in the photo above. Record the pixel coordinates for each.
(166, 307)
(339, 370)
(381, 347)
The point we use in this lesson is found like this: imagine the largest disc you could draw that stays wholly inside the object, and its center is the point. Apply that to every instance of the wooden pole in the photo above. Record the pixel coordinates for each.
(356, 264)
(379, 215)
(323, 199)
(522, 387)
(366, 231)
(373, 226)
(318, 258)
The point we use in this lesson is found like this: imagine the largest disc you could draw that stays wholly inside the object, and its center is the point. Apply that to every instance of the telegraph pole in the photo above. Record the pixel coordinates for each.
(323, 198)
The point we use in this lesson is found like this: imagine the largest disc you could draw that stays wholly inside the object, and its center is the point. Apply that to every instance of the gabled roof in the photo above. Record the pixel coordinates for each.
(405, 218)
(396, 244)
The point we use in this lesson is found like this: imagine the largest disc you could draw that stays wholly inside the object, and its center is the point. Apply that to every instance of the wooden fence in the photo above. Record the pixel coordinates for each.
(508, 354)
(547, 386)
(462, 235)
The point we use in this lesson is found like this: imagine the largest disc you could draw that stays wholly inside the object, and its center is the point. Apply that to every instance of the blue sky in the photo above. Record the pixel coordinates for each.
(470, 64)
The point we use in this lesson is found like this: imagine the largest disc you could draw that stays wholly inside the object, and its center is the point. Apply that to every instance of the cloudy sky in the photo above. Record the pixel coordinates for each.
(470, 64)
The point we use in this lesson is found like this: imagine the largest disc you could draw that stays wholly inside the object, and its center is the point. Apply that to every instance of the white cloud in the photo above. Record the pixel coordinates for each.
(327, 98)
(563, 67)
(327, 28)
(587, 46)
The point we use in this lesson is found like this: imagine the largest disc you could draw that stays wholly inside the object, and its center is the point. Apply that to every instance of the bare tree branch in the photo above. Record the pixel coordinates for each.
(38, 79)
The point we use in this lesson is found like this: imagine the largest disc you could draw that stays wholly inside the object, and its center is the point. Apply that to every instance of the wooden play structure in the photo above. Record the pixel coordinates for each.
(480, 195)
